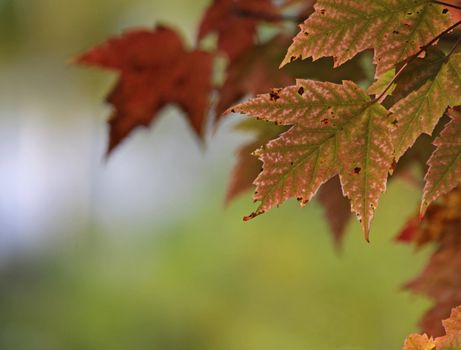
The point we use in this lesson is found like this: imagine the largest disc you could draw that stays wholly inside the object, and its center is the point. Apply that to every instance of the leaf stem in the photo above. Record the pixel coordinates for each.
(382, 96)
(447, 4)
(454, 47)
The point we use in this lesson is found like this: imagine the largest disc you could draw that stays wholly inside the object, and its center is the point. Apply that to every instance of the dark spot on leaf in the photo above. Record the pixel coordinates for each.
(274, 95)
(396, 32)
(445, 11)
(301, 91)
(325, 121)
(357, 170)
(395, 122)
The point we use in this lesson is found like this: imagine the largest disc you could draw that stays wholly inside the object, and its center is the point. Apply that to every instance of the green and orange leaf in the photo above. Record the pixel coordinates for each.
(440, 280)
(248, 165)
(336, 130)
(395, 29)
(422, 109)
(444, 172)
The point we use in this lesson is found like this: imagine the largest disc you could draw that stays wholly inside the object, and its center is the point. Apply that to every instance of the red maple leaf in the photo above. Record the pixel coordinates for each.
(235, 23)
(155, 70)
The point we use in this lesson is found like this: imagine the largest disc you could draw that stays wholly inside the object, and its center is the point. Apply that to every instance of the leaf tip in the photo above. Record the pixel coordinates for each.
(249, 217)
(367, 237)
(366, 231)
(253, 214)
(289, 58)
(423, 208)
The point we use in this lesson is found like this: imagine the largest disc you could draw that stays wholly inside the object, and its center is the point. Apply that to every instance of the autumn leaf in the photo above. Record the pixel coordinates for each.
(419, 342)
(421, 110)
(336, 207)
(395, 29)
(335, 130)
(444, 172)
(248, 165)
(236, 31)
(450, 341)
(440, 279)
(155, 70)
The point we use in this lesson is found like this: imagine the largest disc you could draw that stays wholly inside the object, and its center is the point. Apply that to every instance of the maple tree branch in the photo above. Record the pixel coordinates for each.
(382, 96)
(447, 4)
(268, 17)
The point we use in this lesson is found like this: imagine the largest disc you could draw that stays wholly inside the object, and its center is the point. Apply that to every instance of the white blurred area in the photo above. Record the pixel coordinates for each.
(54, 182)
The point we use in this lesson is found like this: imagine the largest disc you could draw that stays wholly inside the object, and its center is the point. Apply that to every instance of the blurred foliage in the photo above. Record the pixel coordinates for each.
(214, 282)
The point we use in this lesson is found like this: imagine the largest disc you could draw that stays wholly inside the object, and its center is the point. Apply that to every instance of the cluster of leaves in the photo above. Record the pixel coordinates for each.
(441, 278)
(450, 341)
(326, 133)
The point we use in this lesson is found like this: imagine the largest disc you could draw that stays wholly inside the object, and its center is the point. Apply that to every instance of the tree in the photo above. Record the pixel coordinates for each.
(322, 132)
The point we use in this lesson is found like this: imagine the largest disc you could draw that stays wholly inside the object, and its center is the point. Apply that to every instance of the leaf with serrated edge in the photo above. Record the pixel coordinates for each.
(335, 130)
(420, 111)
(419, 342)
(248, 166)
(396, 29)
(450, 341)
(444, 172)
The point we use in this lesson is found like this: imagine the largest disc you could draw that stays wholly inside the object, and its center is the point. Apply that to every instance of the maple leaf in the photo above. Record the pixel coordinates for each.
(450, 341)
(155, 70)
(444, 172)
(249, 166)
(236, 32)
(395, 29)
(419, 342)
(337, 208)
(421, 110)
(335, 130)
(440, 279)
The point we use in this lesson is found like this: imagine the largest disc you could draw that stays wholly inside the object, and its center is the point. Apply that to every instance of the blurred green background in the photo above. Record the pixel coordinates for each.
(139, 252)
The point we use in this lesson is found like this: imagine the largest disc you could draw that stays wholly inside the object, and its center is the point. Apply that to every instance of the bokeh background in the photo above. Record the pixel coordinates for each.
(139, 252)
